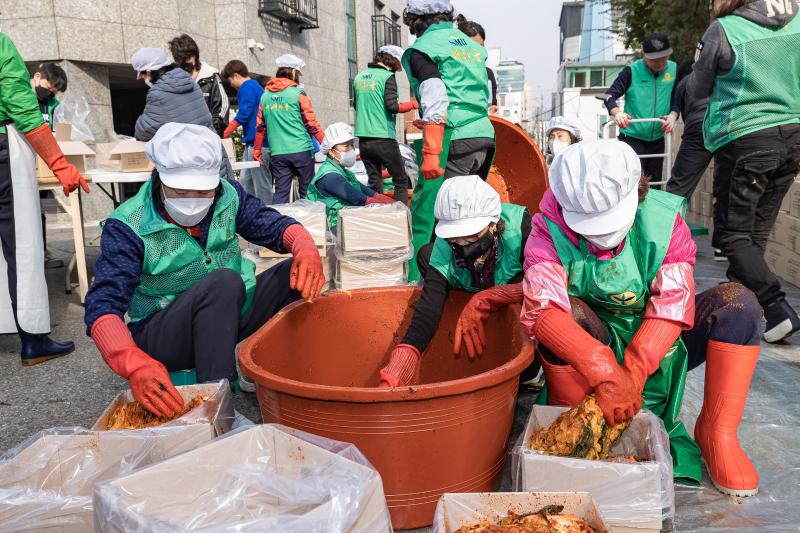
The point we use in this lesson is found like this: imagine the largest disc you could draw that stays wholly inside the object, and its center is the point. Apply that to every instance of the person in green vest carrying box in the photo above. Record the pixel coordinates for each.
(749, 68)
(478, 248)
(447, 72)
(377, 105)
(286, 117)
(170, 260)
(646, 85)
(334, 184)
(609, 295)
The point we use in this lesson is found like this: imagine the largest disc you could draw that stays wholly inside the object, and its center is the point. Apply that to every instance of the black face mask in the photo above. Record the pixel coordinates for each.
(43, 94)
(470, 253)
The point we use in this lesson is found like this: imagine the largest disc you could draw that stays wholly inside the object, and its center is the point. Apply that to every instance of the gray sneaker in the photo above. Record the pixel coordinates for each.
(246, 385)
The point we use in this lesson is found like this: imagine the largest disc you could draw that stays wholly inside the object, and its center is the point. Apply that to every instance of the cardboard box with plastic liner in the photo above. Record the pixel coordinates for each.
(634, 498)
(312, 216)
(365, 273)
(456, 510)
(216, 412)
(374, 229)
(75, 152)
(261, 478)
(123, 156)
(47, 482)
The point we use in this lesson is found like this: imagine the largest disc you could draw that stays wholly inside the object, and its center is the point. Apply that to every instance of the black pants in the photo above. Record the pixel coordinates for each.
(284, 168)
(470, 156)
(201, 328)
(651, 166)
(378, 154)
(690, 164)
(751, 176)
(726, 313)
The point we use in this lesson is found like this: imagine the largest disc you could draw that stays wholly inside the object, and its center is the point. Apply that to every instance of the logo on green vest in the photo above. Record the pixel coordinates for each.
(277, 99)
(624, 298)
(667, 78)
(459, 41)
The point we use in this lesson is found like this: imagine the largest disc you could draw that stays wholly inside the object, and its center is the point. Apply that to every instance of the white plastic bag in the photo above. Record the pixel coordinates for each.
(262, 478)
(74, 109)
(633, 495)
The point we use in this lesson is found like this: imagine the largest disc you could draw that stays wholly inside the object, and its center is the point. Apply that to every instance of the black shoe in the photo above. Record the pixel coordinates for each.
(782, 321)
(719, 256)
(40, 348)
(50, 264)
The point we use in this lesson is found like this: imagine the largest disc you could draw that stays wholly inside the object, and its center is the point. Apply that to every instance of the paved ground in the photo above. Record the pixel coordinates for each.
(74, 390)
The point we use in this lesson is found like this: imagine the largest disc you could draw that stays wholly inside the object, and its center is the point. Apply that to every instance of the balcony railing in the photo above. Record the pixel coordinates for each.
(385, 31)
(300, 13)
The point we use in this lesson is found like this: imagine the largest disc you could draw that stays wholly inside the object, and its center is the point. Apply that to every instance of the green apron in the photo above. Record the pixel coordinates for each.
(617, 290)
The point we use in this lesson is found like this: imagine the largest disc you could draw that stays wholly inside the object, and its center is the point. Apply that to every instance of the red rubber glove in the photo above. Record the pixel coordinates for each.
(379, 198)
(148, 378)
(404, 107)
(616, 391)
(622, 119)
(670, 120)
(232, 126)
(433, 136)
(402, 368)
(257, 153)
(320, 136)
(306, 275)
(648, 347)
(45, 145)
(469, 328)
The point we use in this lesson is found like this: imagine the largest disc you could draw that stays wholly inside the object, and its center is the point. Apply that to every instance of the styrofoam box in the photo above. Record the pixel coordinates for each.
(374, 229)
(456, 510)
(351, 275)
(48, 485)
(197, 484)
(631, 490)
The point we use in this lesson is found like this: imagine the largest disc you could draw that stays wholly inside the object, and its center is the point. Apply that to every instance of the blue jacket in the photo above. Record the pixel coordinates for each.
(249, 98)
(174, 97)
(119, 266)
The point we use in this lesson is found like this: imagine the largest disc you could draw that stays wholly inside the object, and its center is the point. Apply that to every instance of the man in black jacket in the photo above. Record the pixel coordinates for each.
(186, 54)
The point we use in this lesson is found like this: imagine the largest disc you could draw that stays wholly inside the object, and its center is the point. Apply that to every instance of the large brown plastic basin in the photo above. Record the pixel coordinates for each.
(316, 367)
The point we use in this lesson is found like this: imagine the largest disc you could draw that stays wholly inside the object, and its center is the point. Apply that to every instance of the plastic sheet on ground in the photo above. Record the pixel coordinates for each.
(262, 478)
(629, 495)
(769, 435)
(47, 481)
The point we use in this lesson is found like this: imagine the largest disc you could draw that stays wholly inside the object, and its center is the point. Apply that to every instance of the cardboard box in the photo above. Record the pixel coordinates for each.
(629, 495)
(227, 144)
(706, 204)
(791, 272)
(365, 274)
(216, 411)
(130, 154)
(63, 131)
(259, 479)
(328, 267)
(776, 256)
(75, 152)
(376, 229)
(694, 202)
(313, 217)
(456, 510)
(48, 484)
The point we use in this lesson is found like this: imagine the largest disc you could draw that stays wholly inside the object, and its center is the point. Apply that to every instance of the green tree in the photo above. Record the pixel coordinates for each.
(684, 21)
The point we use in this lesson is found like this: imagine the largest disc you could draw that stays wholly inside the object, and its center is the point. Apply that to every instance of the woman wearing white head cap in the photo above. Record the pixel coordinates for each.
(286, 117)
(170, 260)
(377, 105)
(334, 184)
(478, 248)
(561, 133)
(609, 295)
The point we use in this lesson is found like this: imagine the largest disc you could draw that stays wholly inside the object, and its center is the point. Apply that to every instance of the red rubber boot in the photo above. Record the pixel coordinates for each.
(729, 368)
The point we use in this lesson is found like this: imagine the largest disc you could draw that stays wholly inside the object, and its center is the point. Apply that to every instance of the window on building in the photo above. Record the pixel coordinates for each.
(596, 77)
(578, 79)
(378, 7)
(352, 45)
(385, 30)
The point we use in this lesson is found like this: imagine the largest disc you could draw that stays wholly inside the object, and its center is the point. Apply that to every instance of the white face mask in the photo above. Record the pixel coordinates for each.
(348, 158)
(557, 146)
(610, 241)
(187, 212)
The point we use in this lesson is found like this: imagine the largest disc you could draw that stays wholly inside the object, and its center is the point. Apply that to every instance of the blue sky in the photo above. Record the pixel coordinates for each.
(526, 30)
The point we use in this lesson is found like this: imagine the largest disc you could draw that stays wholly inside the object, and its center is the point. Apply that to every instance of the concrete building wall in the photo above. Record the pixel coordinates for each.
(92, 36)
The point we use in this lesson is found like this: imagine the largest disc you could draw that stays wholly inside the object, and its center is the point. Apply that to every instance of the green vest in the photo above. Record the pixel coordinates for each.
(372, 118)
(173, 260)
(49, 115)
(332, 203)
(618, 290)
(19, 103)
(648, 97)
(462, 65)
(762, 89)
(284, 120)
(509, 248)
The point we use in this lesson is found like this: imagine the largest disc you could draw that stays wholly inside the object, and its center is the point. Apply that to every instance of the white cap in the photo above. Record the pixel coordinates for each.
(290, 61)
(562, 123)
(187, 156)
(149, 59)
(596, 183)
(336, 133)
(394, 51)
(428, 7)
(465, 205)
